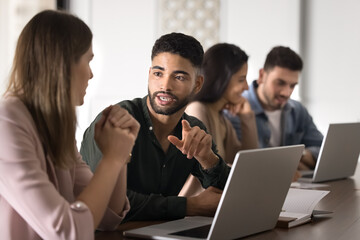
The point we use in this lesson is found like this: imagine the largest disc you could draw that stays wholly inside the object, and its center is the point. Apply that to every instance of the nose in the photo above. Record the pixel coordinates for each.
(246, 85)
(287, 91)
(91, 74)
(166, 83)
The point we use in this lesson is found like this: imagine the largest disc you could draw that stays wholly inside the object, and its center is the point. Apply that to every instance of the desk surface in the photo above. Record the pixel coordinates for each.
(343, 223)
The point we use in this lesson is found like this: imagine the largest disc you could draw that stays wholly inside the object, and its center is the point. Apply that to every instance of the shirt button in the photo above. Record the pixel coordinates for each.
(78, 206)
(150, 128)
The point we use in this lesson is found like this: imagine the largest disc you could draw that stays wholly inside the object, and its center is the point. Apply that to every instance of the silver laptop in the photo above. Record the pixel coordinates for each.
(339, 154)
(251, 201)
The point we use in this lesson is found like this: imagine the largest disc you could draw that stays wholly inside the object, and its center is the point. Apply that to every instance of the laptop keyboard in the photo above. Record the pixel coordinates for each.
(198, 232)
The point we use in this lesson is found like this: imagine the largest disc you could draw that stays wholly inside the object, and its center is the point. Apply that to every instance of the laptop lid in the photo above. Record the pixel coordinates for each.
(339, 153)
(251, 201)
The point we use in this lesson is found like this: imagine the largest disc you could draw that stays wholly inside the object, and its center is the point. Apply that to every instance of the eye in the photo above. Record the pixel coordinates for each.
(281, 83)
(157, 74)
(180, 78)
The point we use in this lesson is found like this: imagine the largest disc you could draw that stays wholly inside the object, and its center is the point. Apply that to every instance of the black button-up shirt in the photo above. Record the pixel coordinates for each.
(155, 177)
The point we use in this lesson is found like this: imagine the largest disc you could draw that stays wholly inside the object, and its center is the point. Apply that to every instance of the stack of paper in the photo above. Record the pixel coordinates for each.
(299, 206)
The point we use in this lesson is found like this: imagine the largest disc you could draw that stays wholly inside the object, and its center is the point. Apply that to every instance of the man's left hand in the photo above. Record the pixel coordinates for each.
(307, 161)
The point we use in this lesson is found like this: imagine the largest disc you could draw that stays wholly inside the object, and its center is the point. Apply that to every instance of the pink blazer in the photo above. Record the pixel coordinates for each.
(37, 200)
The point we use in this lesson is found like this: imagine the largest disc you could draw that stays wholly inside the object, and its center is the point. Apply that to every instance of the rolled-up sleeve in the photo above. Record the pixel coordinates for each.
(111, 220)
(25, 186)
(216, 176)
(82, 177)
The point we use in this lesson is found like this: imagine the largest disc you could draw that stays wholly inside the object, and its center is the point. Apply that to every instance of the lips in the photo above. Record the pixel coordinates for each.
(165, 99)
(281, 100)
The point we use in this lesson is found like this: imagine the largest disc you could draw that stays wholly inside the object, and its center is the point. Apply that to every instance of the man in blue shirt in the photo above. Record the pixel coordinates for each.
(280, 120)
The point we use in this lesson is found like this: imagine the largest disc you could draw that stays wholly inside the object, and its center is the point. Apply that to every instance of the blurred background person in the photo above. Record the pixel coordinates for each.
(224, 69)
(280, 120)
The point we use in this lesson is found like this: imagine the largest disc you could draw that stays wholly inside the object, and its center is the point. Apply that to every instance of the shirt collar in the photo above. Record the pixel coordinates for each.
(145, 110)
(149, 125)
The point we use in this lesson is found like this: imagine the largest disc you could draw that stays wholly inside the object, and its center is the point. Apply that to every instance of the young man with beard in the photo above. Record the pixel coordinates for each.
(280, 120)
(170, 144)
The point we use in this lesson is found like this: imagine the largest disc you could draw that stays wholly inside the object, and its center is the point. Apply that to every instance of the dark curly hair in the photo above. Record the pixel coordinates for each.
(178, 43)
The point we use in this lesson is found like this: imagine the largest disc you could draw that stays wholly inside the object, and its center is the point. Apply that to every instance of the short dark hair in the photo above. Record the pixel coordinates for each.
(178, 43)
(284, 57)
(221, 61)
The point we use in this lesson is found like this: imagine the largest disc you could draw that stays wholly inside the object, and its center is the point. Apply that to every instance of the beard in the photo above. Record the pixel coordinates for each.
(177, 106)
(270, 101)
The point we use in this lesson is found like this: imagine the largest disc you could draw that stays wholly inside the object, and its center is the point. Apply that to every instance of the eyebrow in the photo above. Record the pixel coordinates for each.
(158, 67)
(177, 71)
(182, 72)
(283, 81)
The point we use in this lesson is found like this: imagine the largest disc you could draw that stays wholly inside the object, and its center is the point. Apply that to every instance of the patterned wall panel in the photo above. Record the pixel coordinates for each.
(199, 18)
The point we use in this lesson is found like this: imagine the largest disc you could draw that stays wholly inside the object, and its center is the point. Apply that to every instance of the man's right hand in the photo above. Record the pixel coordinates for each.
(204, 204)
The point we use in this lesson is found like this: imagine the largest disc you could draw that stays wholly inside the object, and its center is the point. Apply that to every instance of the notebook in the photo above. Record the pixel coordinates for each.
(339, 154)
(251, 201)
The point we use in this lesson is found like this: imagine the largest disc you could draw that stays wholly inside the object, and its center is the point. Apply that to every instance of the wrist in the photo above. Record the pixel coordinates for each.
(245, 114)
(191, 206)
(116, 162)
(211, 163)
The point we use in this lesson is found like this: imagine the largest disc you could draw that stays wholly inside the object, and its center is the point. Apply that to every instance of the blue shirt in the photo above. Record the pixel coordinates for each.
(296, 124)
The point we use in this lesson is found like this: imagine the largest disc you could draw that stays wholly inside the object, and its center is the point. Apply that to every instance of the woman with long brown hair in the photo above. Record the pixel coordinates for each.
(224, 69)
(46, 190)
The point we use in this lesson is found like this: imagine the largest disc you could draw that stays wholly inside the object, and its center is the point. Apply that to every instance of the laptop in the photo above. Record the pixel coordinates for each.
(251, 201)
(339, 154)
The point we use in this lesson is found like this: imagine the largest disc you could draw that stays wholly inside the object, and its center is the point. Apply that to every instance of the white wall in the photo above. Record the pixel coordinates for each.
(124, 35)
(258, 25)
(332, 50)
(323, 32)
(4, 44)
(14, 14)
(326, 33)
(124, 32)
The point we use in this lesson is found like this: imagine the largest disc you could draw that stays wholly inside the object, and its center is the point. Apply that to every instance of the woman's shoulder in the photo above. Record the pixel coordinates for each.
(195, 108)
(12, 106)
(13, 112)
(198, 110)
(196, 103)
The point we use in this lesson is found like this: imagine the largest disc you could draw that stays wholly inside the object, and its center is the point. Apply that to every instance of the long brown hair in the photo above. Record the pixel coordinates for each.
(41, 77)
(221, 62)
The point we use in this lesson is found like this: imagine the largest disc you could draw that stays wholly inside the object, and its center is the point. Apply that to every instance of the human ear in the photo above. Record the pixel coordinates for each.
(261, 76)
(199, 81)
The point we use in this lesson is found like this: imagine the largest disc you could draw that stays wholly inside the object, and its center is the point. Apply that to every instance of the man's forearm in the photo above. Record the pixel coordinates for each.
(155, 207)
